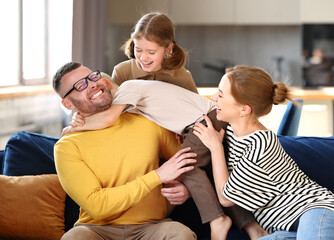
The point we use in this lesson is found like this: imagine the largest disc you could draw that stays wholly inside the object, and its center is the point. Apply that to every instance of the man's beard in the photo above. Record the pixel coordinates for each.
(89, 108)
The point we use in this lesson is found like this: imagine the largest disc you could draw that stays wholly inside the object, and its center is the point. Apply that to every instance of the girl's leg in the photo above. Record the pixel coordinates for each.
(204, 195)
(197, 181)
(317, 223)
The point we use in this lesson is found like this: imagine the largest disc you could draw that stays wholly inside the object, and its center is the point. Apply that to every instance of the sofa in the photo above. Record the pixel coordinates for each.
(34, 205)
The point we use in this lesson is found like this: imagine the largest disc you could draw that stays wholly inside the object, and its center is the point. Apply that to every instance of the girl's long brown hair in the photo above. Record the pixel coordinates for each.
(157, 27)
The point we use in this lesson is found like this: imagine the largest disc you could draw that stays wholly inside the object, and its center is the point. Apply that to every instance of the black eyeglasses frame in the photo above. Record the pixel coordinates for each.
(86, 81)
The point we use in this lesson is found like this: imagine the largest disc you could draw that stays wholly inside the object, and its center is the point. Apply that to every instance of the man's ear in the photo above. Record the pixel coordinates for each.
(111, 85)
(108, 83)
(67, 103)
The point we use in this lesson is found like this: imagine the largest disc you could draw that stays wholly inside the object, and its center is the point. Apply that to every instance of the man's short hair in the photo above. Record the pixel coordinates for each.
(68, 67)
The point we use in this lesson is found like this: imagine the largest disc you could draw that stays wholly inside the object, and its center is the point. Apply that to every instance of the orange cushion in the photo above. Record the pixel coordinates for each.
(31, 207)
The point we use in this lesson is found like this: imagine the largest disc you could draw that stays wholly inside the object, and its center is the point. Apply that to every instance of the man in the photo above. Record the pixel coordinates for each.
(110, 173)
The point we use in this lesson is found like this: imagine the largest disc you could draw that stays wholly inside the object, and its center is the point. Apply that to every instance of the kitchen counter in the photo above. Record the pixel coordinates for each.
(325, 93)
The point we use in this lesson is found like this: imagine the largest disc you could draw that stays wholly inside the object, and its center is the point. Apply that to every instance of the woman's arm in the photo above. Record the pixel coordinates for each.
(220, 174)
(213, 140)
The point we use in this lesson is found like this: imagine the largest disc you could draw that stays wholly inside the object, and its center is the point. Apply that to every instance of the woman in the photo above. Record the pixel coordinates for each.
(259, 175)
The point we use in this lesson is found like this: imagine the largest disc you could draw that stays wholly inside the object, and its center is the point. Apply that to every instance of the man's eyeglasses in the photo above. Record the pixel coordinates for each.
(82, 84)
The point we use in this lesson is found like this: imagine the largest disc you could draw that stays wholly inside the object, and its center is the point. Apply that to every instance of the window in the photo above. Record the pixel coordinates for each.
(9, 47)
(36, 40)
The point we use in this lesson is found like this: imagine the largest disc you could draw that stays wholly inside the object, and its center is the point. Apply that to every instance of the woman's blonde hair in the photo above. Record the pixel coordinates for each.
(158, 28)
(254, 87)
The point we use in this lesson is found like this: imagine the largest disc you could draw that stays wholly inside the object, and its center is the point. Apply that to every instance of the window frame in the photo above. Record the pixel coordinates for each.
(35, 81)
(49, 32)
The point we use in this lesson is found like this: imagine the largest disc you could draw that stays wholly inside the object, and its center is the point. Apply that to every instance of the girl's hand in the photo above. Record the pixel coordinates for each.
(208, 135)
(67, 130)
(77, 120)
(176, 165)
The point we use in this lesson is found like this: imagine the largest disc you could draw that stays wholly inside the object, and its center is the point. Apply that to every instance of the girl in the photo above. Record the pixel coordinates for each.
(154, 54)
(259, 175)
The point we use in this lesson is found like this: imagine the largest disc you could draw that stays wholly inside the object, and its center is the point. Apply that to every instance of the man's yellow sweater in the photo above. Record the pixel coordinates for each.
(110, 173)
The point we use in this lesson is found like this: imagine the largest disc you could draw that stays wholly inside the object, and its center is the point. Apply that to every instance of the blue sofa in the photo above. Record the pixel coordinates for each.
(32, 154)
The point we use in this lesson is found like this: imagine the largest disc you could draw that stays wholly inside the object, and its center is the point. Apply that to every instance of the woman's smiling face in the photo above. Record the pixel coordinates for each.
(228, 108)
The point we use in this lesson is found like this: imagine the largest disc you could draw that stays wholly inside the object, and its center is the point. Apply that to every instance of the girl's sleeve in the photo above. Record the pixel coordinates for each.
(119, 75)
(130, 93)
(190, 83)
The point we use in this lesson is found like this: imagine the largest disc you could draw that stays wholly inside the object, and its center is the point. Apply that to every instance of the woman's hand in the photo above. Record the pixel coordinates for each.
(176, 165)
(77, 120)
(208, 135)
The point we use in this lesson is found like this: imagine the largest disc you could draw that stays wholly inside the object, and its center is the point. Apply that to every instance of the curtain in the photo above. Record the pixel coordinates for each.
(89, 33)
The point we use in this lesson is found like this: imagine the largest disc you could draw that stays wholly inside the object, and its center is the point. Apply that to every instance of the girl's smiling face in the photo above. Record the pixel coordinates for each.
(228, 109)
(149, 54)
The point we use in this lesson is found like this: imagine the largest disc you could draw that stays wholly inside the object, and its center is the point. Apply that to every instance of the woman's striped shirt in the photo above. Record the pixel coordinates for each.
(264, 179)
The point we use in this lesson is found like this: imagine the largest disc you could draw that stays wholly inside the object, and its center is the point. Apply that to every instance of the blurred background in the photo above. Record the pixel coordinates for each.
(292, 39)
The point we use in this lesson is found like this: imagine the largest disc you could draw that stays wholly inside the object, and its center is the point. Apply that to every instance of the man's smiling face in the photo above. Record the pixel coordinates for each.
(95, 98)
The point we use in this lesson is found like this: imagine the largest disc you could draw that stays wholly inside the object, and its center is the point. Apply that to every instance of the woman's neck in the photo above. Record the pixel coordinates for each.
(246, 126)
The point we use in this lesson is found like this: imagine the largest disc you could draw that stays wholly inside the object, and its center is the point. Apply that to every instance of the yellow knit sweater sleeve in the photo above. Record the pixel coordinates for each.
(110, 172)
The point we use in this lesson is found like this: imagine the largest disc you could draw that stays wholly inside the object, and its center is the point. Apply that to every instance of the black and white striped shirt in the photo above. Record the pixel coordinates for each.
(264, 179)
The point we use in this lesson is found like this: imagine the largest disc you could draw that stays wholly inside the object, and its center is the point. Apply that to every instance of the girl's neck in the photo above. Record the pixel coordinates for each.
(245, 127)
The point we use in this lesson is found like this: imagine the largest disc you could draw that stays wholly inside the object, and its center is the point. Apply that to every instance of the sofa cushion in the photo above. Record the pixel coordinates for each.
(314, 156)
(32, 154)
(32, 207)
(29, 154)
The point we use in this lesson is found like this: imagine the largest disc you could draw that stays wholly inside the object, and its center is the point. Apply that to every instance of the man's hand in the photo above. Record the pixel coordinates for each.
(175, 192)
(176, 165)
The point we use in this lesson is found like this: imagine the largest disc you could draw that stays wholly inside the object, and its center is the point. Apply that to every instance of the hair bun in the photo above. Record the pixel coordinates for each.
(280, 93)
